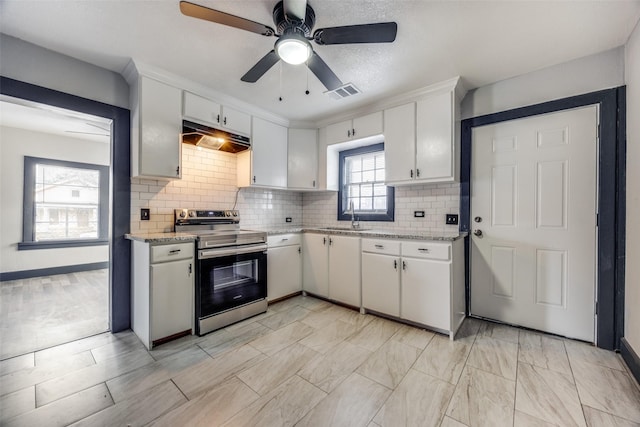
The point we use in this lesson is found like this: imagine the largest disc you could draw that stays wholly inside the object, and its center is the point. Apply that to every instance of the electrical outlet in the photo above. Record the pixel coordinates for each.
(452, 219)
(288, 219)
(145, 214)
(418, 214)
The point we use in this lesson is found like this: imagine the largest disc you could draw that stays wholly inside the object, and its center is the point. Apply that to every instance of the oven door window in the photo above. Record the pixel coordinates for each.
(231, 281)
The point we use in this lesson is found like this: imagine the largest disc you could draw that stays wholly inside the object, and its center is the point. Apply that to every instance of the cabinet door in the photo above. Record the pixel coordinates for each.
(236, 121)
(426, 292)
(302, 159)
(344, 270)
(315, 264)
(160, 127)
(368, 125)
(268, 154)
(171, 298)
(200, 110)
(400, 143)
(435, 138)
(284, 271)
(339, 132)
(381, 283)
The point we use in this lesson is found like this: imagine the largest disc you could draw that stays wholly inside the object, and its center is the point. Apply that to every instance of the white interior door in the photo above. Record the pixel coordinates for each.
(533, 197)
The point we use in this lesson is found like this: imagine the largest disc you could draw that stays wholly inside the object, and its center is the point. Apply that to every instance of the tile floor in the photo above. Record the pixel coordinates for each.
(308, 362)
(41, 312)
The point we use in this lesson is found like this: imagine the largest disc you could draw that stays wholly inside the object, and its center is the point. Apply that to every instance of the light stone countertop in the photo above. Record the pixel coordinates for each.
(271, 231)
(161, 237)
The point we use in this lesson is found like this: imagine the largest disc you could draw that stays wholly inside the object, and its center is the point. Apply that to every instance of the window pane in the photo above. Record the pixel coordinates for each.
(380, 190)
(356, 177)
(380, 175)
(355, 163)
(380, 203)
(366, 204)
(368, 163)
(368, 176)
(353, 191)
(366, 190)
(356, 204)
(380, 161)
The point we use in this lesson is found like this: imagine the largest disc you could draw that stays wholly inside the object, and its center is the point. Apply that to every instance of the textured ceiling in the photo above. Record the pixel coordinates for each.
(481, 41)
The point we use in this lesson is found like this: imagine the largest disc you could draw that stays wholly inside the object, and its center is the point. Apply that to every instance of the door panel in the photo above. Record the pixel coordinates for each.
(533, 190)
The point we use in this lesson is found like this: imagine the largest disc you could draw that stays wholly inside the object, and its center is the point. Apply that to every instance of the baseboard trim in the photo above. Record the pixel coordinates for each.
(630, 357)
(51, 271)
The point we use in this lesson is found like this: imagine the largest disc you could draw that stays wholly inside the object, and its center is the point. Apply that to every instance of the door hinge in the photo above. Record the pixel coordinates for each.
(597, 220)
(596, 308)
(598, 130)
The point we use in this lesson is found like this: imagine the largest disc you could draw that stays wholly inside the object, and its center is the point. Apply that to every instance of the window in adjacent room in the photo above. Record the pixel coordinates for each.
(65, 203)
(362, 185)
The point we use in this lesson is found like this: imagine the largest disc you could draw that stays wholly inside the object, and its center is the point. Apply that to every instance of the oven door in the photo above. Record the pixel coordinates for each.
(230, 280)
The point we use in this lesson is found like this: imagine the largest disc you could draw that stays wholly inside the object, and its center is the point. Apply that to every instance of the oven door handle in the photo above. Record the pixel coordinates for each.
(216, 253)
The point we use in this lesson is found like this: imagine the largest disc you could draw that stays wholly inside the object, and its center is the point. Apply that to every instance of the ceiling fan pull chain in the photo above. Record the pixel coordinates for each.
(280, 97)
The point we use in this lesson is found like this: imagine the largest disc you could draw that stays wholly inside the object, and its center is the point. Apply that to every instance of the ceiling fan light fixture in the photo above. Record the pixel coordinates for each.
(293, 49)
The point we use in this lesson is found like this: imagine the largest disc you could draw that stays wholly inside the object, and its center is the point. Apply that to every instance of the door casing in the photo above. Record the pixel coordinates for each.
(611, 199)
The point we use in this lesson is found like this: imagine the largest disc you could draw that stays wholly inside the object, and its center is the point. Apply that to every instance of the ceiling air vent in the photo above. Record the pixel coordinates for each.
(343, 91)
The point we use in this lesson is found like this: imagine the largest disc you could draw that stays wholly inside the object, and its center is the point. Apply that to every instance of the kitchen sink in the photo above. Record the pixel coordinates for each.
(343, 229)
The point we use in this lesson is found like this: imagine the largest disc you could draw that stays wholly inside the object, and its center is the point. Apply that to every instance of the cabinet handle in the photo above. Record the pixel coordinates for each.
(353, 132)
(284, 239)
(190, 269)
(299, 250)
(417, 173)
(425, 250)
(404, 265)
(348, 134)
(379, 247)
(218, 118)
(225, 120)
(174, 251)
(324, 240)
(411, 173)
(314, 183)
(395, 264)
(254, 179)
(178, 171)
(330, 241)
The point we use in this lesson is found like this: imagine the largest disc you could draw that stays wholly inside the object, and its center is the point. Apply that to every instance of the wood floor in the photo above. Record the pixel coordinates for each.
(42, 312)
(307, 362)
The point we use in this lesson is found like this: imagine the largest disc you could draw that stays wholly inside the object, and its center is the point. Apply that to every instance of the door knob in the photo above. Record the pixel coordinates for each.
(477, 233)
(477, 219)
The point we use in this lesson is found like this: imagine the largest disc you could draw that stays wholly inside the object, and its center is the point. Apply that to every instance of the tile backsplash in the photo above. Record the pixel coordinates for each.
(437, 200)
(209, 182)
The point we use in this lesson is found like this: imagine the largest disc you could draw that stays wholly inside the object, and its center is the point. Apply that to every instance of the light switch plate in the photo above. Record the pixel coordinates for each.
(288, 219)
(418, 214)
(452, 219)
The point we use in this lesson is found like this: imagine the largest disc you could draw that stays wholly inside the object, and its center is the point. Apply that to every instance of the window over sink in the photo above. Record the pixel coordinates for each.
(362, 192)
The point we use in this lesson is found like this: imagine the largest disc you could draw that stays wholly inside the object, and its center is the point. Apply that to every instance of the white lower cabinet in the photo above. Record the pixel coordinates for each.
(162, 291)
(331, 267)
(421, 282)
(284, 265)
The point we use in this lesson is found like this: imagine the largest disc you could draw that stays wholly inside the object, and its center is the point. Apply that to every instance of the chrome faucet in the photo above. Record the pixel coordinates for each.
(354, 224)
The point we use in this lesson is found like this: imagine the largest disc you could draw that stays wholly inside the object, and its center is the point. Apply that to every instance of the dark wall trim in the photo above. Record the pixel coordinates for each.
(630, 357)
(120, 250)
(55, 244)
(611, 197)
(51, 271)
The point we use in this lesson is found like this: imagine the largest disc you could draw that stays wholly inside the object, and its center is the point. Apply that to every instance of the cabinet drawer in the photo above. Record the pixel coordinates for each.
(284, 240)
(381, 246)
(429, 250)
(171, 252)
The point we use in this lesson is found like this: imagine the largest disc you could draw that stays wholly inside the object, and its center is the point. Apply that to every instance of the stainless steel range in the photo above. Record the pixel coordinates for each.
(231, 267)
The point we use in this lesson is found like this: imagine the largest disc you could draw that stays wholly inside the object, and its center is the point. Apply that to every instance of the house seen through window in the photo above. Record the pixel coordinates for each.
(64, 201)
(362, 188)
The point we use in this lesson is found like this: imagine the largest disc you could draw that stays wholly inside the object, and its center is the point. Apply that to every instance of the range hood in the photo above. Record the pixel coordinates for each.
(212, 138)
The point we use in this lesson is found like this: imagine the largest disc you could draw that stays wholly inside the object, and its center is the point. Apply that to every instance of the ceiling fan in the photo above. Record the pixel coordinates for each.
(294, 20)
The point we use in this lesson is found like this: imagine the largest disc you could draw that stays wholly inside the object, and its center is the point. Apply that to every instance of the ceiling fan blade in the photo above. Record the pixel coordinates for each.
(258, 70)
(201, 12)
(323, 72)
(295, 9)
(383, 32)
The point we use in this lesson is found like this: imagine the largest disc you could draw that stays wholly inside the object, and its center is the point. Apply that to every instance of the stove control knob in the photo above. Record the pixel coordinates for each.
(235, 213)
(227, 213)
(183, 214)
(192, 214)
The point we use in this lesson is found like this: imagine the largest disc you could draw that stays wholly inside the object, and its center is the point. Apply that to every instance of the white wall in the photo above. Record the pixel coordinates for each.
(14, 145)
(632, 282)
(209, 182)
(583, 75)
(33, 64)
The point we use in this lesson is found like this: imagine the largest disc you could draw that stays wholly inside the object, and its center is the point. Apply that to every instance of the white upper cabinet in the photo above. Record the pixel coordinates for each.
(303, 159)
(400, 143)
(422, 141)
(360, 127)
(156, 124)
(265, 164)
(207, 112)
